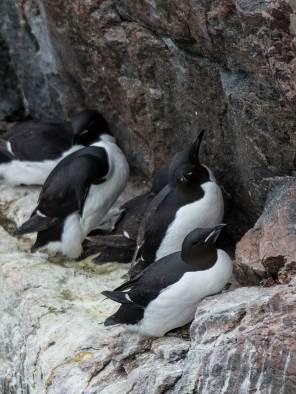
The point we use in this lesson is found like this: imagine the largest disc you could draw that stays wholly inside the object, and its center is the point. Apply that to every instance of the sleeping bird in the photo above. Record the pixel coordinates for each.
(31, 149)
(76, 196)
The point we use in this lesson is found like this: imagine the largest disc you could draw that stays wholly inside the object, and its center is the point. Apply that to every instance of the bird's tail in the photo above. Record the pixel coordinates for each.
(5, 155)
(35, 224)
(126, 314)
(118, 296)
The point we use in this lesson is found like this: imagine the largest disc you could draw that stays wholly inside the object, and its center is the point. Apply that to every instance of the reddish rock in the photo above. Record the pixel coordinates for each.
(267, 253)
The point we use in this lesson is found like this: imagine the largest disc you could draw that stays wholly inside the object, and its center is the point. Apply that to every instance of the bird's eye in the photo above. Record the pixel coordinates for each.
(186, 176)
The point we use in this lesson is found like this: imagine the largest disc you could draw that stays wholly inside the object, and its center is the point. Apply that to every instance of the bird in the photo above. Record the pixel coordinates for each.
(76, 196)
(165, 295)
(31, 149)
(119, 244)
(191, 199)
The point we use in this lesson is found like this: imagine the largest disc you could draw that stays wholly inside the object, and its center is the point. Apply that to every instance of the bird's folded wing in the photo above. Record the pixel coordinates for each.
(149, 213)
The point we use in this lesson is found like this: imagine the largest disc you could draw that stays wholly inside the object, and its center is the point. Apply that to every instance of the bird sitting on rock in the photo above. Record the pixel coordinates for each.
(76, 196)
(192, 199)
(165, 295)
(30, 150)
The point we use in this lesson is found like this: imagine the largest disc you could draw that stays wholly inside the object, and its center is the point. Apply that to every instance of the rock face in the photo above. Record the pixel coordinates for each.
(52, 338)
(32, 57)
(267, 252)
(161, 71)
(11, 106)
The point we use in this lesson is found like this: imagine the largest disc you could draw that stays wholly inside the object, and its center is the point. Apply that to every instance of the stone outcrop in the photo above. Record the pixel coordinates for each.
(52, 338)
(161, 71)
(267, 253)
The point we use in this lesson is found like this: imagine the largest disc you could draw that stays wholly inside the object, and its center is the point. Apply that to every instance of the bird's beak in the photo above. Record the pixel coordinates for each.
(196, 147)
(186, 177)
(214, 233)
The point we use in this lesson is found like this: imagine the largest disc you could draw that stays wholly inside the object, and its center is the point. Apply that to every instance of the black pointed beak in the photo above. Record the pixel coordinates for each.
(214, 233)
(196, 145)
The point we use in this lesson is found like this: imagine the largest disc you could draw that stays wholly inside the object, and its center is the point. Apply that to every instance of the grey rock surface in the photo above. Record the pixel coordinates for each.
(24, 31)
(267, 252)
(11, 105)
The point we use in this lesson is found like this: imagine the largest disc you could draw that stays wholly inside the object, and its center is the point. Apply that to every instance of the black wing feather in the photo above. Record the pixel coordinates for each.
(65, 190)
(37, 141)
(146, 286)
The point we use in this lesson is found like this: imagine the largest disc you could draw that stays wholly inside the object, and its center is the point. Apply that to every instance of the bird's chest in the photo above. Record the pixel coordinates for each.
(101, 197)
(202, 212)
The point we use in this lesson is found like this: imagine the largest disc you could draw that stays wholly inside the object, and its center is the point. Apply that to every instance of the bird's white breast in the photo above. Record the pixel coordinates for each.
(176, 305)
(71, 240)
(101, 197)
(206, 212)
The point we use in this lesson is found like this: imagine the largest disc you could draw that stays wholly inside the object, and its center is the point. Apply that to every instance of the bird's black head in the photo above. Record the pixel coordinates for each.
(90, 126)
(185, 169)
(199, 246)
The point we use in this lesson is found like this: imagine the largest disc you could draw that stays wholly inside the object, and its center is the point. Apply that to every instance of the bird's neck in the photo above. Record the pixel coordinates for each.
(203, 259)
(107, 138)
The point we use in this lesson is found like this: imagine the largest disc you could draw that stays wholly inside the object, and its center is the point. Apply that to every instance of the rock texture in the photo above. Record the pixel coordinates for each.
(161, 71)
(36, 66)
(267, 252)
(11, 106)
(52, 338)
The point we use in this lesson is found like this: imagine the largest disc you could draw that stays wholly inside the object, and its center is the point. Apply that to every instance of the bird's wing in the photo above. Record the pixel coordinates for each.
(151, 230)
(146, 286)
(157, 277)
(36, 223)
(66, 188)
(37, 141)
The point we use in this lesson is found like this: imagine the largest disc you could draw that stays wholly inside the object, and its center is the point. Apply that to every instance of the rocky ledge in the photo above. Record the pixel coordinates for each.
(52, 338)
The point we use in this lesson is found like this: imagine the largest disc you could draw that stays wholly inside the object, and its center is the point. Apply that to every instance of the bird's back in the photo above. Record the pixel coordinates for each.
(69, 181)
(38, 141)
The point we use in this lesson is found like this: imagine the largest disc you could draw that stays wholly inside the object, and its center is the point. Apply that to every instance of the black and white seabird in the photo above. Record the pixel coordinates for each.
(76, 196)
(192, 199)
(31, 149)
(165, 295)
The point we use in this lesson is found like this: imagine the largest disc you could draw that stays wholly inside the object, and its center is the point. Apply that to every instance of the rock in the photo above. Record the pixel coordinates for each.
(242, 342)
(267, 252)
(11, 106)
(161, 71)
(24, 30)
(52, 338)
